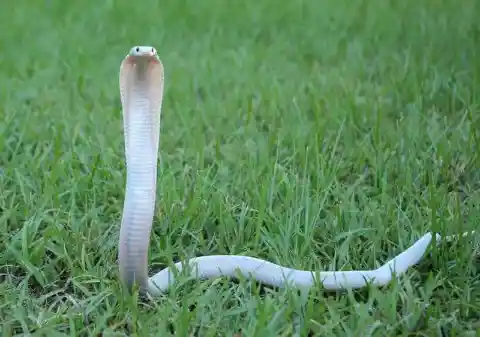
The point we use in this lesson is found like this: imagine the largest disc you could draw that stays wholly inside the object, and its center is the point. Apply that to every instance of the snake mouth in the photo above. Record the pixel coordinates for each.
(145, 57)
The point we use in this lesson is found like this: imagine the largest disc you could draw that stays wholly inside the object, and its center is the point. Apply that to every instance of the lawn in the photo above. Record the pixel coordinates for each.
(321, 135)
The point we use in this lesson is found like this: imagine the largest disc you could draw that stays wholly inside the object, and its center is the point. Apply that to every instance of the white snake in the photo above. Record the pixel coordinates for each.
(141, 90)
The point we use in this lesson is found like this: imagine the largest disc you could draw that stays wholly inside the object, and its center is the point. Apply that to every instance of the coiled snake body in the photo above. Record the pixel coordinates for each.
(141, 90)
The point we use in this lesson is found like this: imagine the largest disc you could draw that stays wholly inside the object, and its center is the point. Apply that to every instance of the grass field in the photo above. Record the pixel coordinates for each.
(316, 134)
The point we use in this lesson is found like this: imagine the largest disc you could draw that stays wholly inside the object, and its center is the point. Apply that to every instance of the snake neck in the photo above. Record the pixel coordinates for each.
(139, 203)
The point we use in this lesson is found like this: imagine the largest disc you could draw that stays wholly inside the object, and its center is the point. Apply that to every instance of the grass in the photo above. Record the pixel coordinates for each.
(315, 134)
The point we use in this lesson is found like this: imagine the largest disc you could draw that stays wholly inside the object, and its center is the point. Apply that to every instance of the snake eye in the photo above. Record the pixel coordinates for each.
(137, 49)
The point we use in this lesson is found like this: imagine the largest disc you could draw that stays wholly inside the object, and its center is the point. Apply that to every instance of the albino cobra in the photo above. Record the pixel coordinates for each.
(141, 91)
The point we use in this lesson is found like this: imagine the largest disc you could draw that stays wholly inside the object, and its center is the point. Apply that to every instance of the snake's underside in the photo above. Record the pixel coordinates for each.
(141, 90)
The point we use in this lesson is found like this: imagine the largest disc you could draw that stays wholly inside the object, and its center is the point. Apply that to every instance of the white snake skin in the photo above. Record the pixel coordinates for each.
(141, 89)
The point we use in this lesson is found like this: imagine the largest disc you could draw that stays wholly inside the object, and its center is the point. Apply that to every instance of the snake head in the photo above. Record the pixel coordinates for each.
(143, 51)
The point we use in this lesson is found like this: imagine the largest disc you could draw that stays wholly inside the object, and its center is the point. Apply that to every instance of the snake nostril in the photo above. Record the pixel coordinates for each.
(137, 49)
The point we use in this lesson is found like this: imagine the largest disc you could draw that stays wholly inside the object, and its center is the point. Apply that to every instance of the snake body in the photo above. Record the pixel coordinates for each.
(141, 90)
